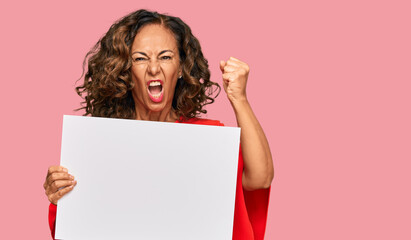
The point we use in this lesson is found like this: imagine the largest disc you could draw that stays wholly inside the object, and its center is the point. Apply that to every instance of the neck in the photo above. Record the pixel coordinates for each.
(166, 115)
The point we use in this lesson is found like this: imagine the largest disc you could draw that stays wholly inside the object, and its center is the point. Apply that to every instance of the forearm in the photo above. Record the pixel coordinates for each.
(258, 165)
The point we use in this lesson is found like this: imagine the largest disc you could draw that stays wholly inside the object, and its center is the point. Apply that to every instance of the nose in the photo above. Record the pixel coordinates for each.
(153, 67)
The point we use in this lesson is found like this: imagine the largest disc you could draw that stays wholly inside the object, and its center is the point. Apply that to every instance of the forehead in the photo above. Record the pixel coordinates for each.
(154, 37)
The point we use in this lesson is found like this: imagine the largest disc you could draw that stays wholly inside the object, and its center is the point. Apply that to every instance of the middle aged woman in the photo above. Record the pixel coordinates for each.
(149, 66)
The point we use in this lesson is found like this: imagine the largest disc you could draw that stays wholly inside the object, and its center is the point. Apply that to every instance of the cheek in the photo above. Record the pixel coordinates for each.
(170, 69)
(137, 75)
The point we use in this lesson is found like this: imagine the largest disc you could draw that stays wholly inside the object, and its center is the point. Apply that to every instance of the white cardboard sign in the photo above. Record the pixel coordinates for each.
(147, 180)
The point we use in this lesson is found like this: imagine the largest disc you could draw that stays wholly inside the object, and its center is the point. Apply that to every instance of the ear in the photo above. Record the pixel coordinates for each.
(180, 71)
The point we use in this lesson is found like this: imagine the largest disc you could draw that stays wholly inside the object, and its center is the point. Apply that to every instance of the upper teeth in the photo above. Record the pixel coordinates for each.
(155, 83)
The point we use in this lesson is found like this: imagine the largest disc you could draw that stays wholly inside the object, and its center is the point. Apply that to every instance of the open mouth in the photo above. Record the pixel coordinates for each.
(155, 90)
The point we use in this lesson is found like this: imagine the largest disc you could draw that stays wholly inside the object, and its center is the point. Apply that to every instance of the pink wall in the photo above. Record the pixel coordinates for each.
(330, 83)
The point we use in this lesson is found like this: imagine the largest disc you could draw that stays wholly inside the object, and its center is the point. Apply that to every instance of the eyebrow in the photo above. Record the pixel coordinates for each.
(143, 53)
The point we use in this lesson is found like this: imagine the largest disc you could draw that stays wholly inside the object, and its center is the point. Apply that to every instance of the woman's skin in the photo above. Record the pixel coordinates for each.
(155, 57)
(258, 165)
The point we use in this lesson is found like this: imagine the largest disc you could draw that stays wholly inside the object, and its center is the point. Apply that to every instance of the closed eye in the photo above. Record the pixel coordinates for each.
(139, 59)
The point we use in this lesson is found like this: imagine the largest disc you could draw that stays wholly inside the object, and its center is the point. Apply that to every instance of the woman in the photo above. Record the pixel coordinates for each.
(149, 66)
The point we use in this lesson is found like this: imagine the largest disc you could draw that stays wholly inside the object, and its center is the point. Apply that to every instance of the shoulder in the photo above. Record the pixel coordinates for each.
(203, 121)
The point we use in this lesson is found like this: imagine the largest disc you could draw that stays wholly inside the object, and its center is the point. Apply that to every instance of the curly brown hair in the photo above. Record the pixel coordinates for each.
(107, 83)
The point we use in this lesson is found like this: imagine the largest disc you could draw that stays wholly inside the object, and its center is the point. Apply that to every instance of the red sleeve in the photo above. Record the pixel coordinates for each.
(52, 219)
(250, 215)
(257, 208)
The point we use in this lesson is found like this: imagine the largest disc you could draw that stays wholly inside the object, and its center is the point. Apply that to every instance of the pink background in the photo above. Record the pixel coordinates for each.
(330, 83)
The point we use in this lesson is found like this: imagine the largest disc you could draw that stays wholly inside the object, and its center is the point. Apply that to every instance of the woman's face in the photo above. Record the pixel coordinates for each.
(156, 67)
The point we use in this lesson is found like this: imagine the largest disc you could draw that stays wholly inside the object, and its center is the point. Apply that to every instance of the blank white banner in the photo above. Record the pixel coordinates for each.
(147, 180)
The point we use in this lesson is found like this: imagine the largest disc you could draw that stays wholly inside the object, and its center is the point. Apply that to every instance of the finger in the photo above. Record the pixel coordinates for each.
(231, 62)
(53, 198)
(222, 65)
(229, 77)
(236, 59)
(58, 176)
(228, 69)
(53, 169)
(240, 63)
(56, 185)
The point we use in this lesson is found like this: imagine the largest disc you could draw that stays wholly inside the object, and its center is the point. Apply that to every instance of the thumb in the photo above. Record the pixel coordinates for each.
(222, 65)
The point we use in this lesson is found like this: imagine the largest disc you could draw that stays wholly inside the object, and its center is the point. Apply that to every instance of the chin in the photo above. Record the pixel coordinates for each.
(156, 106)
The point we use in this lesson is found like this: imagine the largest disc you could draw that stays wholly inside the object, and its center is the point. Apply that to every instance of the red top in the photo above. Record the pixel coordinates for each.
(250, 212)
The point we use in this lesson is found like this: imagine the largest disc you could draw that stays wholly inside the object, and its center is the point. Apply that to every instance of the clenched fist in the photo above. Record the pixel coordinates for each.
(235, 75)
(58, 183)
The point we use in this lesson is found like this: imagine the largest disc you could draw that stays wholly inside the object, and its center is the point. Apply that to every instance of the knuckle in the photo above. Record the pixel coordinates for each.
(52, 177)
(54, 184)
(60, 193)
